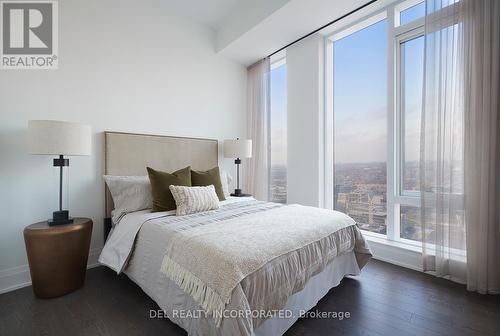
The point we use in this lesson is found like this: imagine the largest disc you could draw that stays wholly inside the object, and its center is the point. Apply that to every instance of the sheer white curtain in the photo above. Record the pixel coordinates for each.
(258, 128)
(442, 144)
(481, 22)
(459, 146)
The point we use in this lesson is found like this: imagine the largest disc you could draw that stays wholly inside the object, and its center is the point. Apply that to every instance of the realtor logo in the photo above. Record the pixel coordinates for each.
(29, 35)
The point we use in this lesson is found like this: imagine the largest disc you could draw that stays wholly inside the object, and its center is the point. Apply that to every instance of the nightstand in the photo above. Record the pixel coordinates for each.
(57, 256)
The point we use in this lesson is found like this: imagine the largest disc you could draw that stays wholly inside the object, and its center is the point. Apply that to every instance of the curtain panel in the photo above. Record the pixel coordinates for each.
(460, 149)
(481, 21)
(258, 129)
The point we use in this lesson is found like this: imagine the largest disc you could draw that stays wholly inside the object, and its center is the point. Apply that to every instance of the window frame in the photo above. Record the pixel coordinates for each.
(278, 61)
(355, 26)
(396, 34)
(401, 34)
(401, 7)
(402, 194)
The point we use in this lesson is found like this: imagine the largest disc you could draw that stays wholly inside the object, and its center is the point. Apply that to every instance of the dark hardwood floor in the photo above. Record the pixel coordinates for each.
(384, 300)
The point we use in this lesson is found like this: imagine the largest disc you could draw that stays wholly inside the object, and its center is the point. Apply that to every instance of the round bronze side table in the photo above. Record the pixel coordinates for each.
(57, 256)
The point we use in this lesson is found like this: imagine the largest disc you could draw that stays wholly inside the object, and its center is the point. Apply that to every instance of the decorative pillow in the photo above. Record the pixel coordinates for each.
(206, 178)
(225, 180)
(160, 181)
(129, 193)
(191, 200)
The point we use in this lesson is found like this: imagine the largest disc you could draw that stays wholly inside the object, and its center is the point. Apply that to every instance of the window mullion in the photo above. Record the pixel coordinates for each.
(392, 222)
(329, 126)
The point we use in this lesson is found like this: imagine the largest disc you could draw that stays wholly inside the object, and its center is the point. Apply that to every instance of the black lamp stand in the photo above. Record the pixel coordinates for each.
(237, 191)
(62, 216)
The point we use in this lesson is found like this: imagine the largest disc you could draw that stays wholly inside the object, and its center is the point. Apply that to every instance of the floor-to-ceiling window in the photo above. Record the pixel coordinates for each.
(377, 80)
(360, 126)
(278, 129)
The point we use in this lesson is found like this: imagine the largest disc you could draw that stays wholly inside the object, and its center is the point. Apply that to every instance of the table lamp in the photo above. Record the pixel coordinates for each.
(50, 137)
(237, 149)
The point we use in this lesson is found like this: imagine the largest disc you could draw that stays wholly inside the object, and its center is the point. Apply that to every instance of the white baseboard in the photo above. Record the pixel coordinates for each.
(19, 276)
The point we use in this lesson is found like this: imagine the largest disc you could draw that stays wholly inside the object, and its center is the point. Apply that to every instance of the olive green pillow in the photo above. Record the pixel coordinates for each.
(206, 178)
(160, 181)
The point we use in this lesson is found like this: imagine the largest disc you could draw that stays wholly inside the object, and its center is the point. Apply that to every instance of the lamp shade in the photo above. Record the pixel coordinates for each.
(238, 148)
(50, 137)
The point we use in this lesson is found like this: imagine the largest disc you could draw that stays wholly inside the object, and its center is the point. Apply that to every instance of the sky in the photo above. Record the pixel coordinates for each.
(360, 96)
(278, 115)
(360, 93)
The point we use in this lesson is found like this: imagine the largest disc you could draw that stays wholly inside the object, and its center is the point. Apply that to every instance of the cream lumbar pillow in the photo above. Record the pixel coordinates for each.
(191, 200)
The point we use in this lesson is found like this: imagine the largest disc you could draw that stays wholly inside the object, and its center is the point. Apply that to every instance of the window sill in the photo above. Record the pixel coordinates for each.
(380, 239)
(397, 253)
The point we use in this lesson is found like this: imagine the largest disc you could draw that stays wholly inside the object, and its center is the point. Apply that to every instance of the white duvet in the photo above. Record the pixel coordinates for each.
(120, 242)
(137, 246)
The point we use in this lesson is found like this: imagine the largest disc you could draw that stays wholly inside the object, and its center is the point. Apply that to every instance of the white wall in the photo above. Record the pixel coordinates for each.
(123, 65)
(305, 154)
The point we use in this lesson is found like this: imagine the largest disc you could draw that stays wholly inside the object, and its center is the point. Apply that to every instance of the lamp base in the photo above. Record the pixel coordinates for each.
(237, 192)
(60, 218)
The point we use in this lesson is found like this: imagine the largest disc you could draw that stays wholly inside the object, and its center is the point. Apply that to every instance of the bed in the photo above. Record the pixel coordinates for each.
(267, 300)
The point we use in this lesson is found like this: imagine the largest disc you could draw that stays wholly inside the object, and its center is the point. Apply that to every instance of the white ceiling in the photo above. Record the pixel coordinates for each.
(208, 12)
(289, 22)
(247, 30)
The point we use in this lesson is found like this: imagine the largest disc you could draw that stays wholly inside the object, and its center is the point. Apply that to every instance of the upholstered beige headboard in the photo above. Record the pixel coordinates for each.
(128, 154)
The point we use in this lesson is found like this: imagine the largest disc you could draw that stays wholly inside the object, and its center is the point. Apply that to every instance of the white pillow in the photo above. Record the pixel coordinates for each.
(191, 200)
(129, 193)
(225, 180)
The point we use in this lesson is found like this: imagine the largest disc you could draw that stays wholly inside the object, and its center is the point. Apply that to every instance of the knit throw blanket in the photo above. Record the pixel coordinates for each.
(209, 260)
